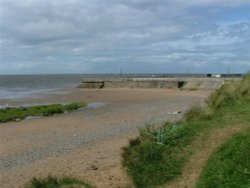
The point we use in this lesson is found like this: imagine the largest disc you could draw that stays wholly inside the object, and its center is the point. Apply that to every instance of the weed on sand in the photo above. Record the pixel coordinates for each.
(19, 113)
(54, 182)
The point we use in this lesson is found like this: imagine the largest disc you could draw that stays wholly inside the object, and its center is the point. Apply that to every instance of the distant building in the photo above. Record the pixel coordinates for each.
(214, 75)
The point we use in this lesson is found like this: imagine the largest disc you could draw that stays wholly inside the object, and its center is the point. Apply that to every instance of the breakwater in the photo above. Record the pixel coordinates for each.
(176, 83)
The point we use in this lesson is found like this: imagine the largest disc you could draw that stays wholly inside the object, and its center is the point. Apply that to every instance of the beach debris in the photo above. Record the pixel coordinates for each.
(174, 113)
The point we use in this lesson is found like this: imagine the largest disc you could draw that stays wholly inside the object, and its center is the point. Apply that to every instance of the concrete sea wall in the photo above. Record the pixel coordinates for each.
(142, 84)
(132, 83)
(176, 83)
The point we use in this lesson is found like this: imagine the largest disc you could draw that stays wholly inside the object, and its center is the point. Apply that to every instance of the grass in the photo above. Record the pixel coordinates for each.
(54, 182)
(20, 113)
(158, 155)
(195, 113)
(230, 94)
(229, 166)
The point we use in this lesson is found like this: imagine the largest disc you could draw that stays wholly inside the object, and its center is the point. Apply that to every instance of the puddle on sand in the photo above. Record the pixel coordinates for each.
(97, 105)
(32, 117)
(94, 106)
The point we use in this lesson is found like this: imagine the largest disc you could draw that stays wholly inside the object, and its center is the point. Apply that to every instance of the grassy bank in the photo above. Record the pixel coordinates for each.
(158, 155)
(229, 166)
(54, 182)
(20, 113)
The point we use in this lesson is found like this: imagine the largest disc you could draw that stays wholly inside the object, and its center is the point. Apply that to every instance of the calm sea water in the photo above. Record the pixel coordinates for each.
(23, 86)
(18, 87)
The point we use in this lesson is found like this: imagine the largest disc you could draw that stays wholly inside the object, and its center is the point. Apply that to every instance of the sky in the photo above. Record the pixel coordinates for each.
(134, 36)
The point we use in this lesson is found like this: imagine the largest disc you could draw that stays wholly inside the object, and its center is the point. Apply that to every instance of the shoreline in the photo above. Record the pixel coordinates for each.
(69, 95)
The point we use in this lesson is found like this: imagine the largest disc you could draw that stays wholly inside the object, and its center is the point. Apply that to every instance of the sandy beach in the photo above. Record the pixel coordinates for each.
(86, 143)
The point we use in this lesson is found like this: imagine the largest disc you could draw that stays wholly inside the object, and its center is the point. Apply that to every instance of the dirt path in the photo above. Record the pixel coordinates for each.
(86, 143)
(194, 167)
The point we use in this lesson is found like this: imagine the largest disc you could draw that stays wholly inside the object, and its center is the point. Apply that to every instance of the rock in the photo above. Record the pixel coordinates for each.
(93, 167)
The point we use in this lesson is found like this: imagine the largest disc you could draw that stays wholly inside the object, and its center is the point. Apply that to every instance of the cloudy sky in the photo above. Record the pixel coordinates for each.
(137, 36)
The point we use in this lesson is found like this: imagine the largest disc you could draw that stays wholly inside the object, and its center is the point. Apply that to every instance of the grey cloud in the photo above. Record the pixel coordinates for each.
(100, 36)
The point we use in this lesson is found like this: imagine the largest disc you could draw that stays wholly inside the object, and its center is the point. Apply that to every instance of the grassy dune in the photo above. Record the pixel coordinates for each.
(20, 113)
(229, 166)
(159, 154)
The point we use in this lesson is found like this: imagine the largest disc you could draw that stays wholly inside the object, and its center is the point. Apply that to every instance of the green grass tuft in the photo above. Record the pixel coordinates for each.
(229, 166)
(156, 156)
(195, 113)
(54, 182)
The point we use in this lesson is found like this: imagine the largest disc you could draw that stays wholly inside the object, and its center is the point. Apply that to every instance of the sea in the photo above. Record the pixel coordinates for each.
(27, 86)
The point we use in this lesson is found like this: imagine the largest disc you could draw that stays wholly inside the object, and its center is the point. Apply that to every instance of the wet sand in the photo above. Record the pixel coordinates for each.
(86, 143)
